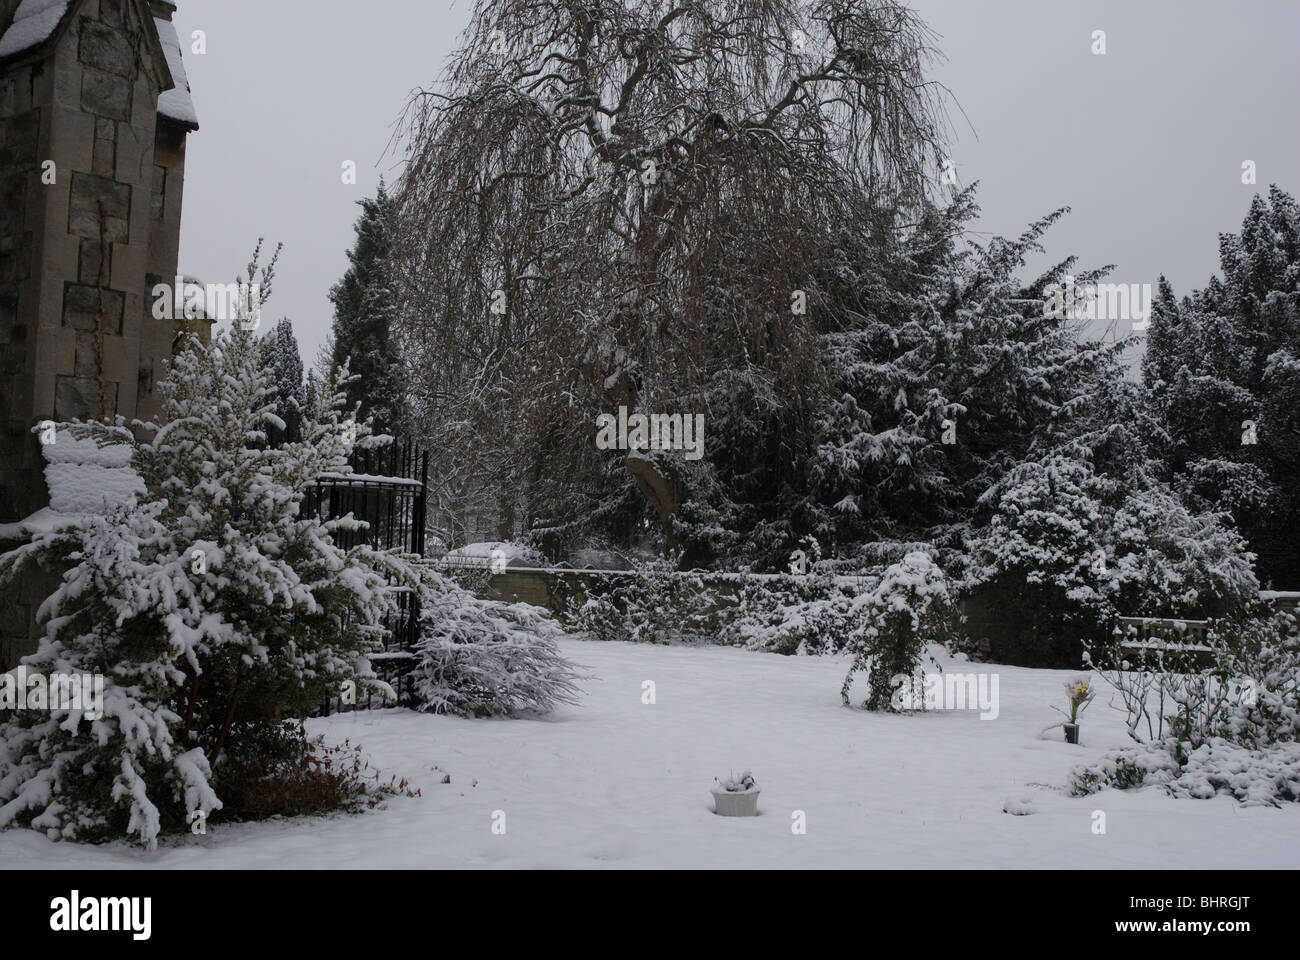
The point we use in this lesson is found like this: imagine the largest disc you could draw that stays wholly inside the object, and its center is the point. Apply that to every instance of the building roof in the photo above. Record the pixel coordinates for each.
(176, 103)
(36, 22)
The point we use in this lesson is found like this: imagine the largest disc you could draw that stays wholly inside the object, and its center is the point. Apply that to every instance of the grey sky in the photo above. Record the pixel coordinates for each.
(1145, 143)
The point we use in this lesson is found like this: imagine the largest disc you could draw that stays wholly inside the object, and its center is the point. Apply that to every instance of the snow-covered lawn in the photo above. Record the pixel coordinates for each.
(617, 783)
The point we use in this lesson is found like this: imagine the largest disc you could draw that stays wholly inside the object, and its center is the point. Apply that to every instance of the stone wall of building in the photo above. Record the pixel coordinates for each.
(77, 246)
(77, 335)
(24, 140)
(166, 193)
(19, 629)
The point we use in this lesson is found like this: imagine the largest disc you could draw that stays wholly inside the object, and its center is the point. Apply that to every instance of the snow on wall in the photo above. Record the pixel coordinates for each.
(482, 553)
(84, 479)
(34, 22)
(176, 103)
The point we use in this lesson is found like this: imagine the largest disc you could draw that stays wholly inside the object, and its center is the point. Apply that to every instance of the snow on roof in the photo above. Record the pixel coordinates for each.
(176, 103)
(84, 480)
(34, 22)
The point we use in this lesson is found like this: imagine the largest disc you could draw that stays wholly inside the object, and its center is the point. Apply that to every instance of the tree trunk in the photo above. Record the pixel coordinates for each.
(663, 493)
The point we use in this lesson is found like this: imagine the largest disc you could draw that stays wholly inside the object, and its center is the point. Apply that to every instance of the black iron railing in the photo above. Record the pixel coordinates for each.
(385, 490)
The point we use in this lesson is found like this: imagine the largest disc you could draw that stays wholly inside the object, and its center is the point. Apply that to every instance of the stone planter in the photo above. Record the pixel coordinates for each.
(740, 804)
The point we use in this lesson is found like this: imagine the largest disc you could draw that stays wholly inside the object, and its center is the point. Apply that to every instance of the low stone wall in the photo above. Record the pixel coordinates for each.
(546, 588)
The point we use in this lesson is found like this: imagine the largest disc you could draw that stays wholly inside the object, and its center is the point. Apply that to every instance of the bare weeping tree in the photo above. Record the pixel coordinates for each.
(618, 203)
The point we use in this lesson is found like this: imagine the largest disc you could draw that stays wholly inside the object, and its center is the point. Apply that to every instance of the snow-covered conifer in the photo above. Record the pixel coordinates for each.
(210, 607)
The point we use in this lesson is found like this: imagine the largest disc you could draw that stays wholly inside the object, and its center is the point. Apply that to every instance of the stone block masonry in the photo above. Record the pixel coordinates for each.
(91, 176)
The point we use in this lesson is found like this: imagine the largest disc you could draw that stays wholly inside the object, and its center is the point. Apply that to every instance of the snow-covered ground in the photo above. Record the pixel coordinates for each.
(618, 783)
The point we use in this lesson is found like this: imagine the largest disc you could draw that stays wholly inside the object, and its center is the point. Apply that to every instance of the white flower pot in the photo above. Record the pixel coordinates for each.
(726, 804)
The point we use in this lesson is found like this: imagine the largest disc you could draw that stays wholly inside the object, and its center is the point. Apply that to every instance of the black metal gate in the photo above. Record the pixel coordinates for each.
(387, 490)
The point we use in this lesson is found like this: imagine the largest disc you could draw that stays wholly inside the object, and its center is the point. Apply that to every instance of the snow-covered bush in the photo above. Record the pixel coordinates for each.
(1123, 769)
(1241, 684)
(1171, 689)
(1034, 562)
(1231, 727)
(1166, 561)
(789, 614)
(209, 608)
(658, 604)
(482, 658)
(1263, 775)
(1266, 775)
(1067, 550)
(1267, 653)
(908, 609)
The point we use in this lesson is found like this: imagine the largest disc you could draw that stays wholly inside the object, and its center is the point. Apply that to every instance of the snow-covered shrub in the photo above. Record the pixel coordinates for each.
(597, 616)
(209, 608)
(1067, 550)
(909, 608)
(658, 604)
(481, 658)
(789, 614)
(1265, 652)
(1165, 561)
(1123, 769)
(1266, 775)
(1242, 685)
(1263, 775)
(1169, 688)
(1231, 727)
(1034, 562)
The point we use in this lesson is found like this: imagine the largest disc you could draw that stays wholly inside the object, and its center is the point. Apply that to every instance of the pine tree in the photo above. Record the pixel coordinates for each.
(311, 392)
(212, 609)
(283, 357)
(951, 372)
(365, 303)
(1223, 367)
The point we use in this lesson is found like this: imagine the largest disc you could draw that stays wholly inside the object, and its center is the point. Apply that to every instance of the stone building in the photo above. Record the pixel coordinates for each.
(95, 111)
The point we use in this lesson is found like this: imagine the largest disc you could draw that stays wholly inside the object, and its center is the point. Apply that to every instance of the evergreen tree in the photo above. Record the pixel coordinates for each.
(311, 392)
(365, 303)
(282, 356)
(1223, 369)
(213, 608)
(949, 372)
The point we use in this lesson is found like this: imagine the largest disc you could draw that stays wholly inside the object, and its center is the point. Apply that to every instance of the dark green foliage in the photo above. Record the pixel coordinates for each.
(365, 307)
(1036, 623)
(1228, 357)
(282, 356)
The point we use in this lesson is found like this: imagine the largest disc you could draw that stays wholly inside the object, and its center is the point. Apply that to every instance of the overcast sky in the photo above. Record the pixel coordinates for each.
(1145, 143)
